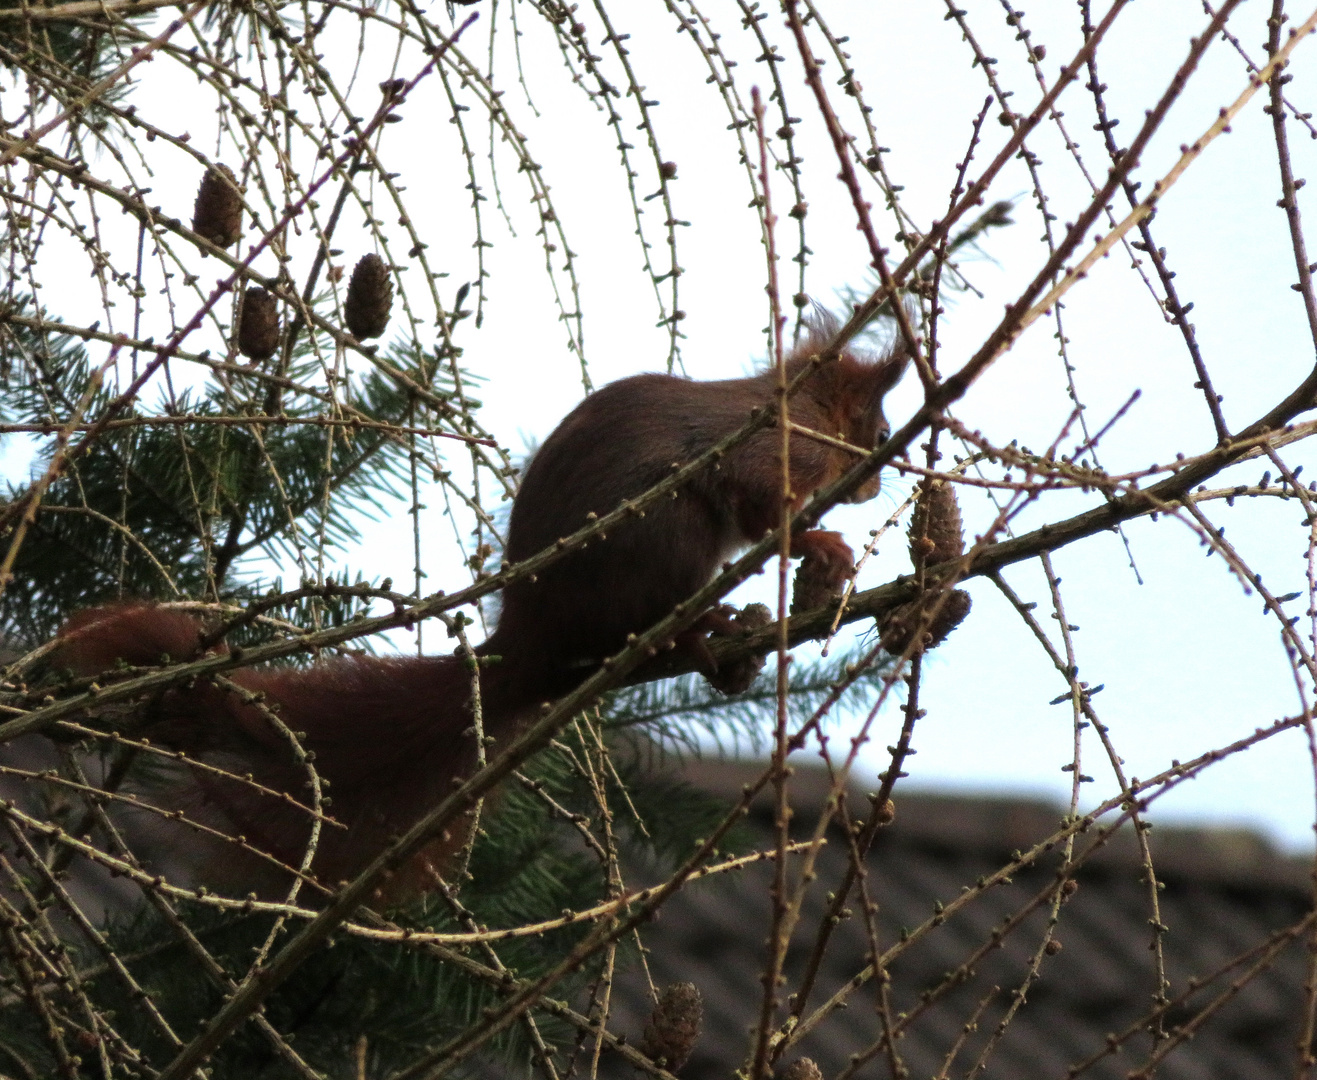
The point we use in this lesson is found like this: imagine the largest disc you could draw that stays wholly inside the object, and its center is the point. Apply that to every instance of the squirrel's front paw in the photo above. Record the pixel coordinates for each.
(830, 555)
(814, 586)
(736, 676)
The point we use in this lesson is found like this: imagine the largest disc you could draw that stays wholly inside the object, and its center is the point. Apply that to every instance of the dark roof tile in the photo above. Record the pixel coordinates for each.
(1225, 891)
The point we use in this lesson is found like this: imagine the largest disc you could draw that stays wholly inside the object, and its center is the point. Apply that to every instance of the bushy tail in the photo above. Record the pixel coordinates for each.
(99, 638)
(390, 735)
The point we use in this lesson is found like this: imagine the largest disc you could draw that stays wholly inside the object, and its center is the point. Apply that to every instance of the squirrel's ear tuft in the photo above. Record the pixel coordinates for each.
(821, 325)
(890, 368)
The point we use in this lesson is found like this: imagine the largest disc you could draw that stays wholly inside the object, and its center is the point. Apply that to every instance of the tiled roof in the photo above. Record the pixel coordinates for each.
(1225, 892)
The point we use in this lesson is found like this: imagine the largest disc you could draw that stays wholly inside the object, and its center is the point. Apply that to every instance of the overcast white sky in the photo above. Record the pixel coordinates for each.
(1187, 660)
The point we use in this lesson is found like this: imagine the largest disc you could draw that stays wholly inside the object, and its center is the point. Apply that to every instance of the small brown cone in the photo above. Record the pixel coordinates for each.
(370, 295)
(935, 529)
(900, 625)
(258, 324)
(737, 677)
(674, 1026)
(813, 586)
(217, 215)
(802, 1069)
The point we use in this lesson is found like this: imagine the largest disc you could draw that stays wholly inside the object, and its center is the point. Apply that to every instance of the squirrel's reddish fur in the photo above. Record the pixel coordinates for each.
(392, 734)
(621, 441)
(388, 733)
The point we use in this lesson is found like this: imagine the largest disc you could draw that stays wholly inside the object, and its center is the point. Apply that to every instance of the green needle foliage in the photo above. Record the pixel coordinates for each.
(168, 509)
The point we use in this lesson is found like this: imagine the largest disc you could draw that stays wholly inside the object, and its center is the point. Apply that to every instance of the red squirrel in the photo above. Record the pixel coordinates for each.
(391, 735)
(621, 441)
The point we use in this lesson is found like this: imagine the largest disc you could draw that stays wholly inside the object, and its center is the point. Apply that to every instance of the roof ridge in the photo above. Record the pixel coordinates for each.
(997, 823)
